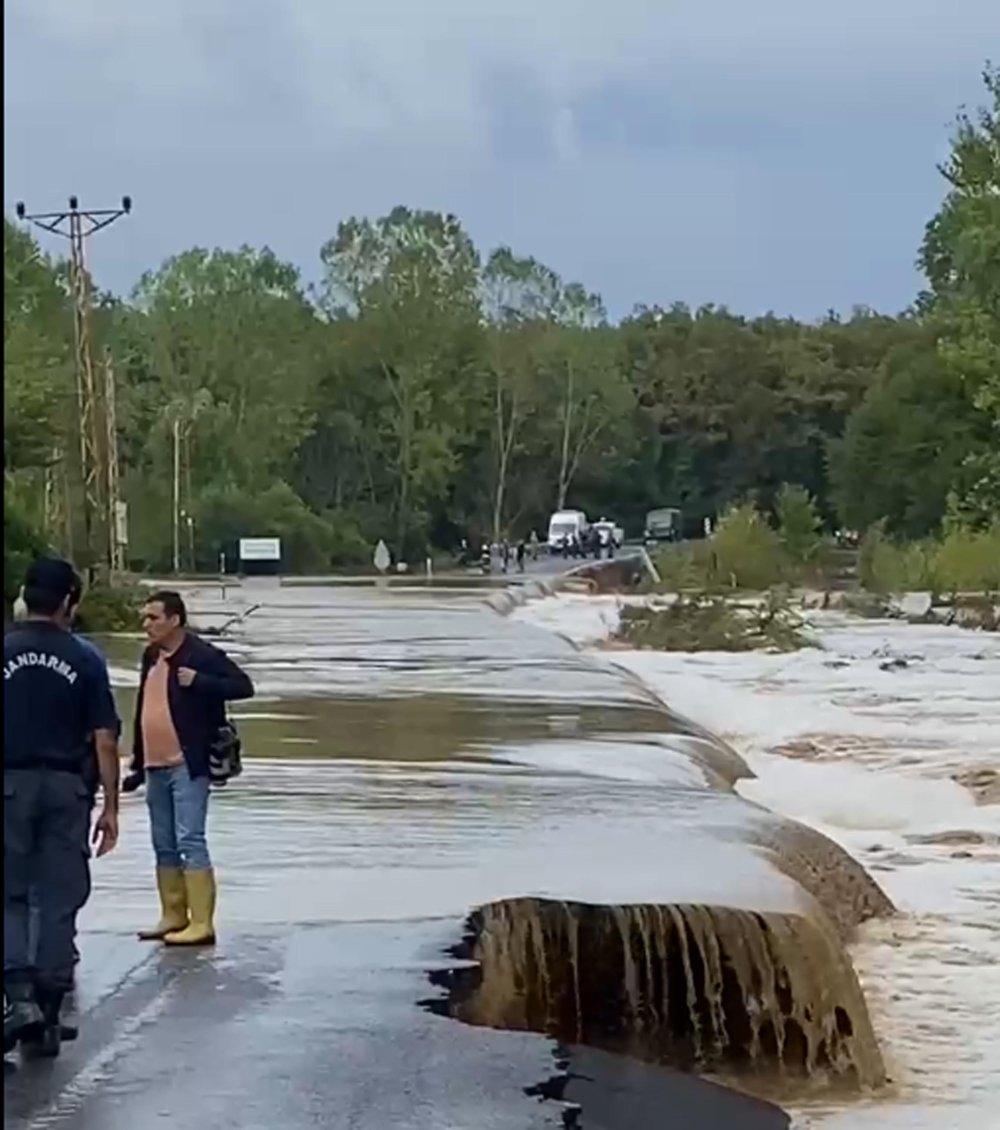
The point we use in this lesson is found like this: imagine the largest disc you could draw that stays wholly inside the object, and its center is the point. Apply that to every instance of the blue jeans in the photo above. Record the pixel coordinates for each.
(178, 810)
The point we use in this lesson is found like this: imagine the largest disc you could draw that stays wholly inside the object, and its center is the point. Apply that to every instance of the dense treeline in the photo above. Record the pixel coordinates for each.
(426, 392)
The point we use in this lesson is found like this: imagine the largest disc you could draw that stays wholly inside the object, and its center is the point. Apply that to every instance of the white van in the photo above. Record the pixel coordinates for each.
(565, 525)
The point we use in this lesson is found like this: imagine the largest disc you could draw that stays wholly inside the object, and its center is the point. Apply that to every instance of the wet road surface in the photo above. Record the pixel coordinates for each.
(420, 757)
(317, 1027)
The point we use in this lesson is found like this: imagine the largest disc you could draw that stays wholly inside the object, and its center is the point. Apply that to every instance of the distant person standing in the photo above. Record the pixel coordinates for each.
(521, 552)
(533, 545)
(57, 701)
(184, 685)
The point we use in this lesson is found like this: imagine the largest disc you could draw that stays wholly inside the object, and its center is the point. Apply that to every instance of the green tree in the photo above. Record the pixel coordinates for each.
(37, 359)
(905, 446)
(409, 281)
(218, 358)
(230, 341)
(961, 258)
(518, 299)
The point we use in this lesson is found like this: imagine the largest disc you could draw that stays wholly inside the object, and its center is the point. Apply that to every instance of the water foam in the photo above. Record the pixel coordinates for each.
(866, 740)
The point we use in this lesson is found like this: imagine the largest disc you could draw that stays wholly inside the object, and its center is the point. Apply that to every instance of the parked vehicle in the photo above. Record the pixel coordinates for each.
(610, 533)
(663, 525)
(567, 527)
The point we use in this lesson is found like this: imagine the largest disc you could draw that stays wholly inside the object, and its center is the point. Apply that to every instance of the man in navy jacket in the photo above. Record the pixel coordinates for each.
(58, 711)
(184, 686)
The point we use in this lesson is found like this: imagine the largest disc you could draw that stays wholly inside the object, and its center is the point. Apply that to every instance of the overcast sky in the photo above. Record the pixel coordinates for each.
(765, 154)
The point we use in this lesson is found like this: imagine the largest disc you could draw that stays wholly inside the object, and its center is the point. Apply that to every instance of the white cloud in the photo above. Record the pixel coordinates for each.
(213, 111)
(398, 65)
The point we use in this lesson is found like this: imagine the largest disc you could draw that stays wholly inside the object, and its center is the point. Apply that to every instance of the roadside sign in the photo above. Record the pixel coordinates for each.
(382, 559)
(260, 549)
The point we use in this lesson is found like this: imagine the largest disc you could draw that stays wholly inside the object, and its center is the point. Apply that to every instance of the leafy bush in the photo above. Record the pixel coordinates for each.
(885, 566)
(964, 560)
(347, 544)
(968, 560)
(746, 552)
(22, 542)
(111, 609)
(227, 514)
(799, 524)
(685, 567)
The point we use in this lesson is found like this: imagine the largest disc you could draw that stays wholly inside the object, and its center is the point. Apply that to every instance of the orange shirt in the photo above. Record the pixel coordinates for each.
(160, 744)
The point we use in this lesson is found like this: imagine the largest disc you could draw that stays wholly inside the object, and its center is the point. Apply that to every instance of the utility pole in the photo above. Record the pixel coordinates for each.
(57, 512)
(116, 519)
(177, 493)
(77, 225)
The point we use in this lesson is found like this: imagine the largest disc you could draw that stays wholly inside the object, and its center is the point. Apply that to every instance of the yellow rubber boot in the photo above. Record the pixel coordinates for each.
(173, 904)
(200, 931)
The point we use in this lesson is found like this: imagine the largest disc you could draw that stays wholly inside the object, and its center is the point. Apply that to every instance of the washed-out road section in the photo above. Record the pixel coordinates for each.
(412, 756)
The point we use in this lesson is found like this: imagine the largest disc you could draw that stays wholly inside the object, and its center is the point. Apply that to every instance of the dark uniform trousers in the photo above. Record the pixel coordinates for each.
(46, 825)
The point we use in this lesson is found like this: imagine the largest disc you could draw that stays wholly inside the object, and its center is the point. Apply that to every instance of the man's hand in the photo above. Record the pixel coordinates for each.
(186, 676)
(105, 834)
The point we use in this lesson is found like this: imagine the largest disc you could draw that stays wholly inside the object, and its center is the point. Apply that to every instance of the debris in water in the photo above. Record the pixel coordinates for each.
(983, 782)
(711, 623)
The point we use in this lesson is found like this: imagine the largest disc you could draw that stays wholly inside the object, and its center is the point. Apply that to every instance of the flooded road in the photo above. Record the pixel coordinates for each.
(433, 789)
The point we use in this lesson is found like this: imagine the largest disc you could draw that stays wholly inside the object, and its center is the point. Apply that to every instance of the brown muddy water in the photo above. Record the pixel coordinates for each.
(414, 756)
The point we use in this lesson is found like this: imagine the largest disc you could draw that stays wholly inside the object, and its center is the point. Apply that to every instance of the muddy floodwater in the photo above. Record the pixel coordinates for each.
(579, 859)
(885, 737)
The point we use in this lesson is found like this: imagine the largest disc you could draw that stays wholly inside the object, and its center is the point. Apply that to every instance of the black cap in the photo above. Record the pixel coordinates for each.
(53, 576)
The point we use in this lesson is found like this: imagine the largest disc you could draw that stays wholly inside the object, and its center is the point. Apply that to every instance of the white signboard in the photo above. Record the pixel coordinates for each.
(260, 549)
(382, 559)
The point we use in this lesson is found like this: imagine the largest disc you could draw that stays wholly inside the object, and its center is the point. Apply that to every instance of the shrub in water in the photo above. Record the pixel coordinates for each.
(799, 524)
(968, 560)
(710, 623)
(747, 552)
(885, 567)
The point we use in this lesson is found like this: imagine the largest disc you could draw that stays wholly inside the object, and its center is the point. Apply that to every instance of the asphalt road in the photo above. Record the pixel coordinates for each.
(381, 807)
(321, 1027)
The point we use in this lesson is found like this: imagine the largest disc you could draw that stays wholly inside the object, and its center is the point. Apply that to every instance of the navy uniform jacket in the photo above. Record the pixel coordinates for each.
(56, 693)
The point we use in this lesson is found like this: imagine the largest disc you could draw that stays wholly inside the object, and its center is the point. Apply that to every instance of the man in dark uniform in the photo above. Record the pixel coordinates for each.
(91, 774)
(57, 700)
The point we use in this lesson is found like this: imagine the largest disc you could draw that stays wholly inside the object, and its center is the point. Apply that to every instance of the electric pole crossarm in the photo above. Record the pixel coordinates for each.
(97, 430)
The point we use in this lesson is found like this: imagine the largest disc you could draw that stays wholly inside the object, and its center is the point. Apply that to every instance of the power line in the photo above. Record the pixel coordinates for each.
(98, 444)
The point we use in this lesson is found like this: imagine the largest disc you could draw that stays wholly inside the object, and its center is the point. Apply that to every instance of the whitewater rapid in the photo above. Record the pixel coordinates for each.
(885, 737)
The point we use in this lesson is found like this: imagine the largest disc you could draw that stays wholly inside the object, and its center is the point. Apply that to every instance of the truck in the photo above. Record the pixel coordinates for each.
(663, 524)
